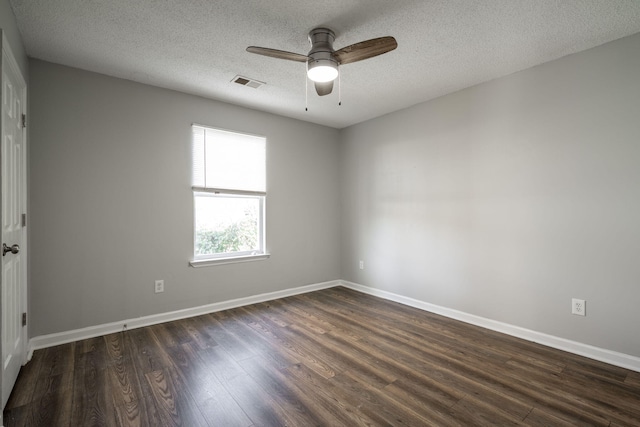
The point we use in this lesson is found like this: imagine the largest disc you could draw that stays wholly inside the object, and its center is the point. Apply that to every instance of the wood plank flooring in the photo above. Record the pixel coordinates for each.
(334, 357)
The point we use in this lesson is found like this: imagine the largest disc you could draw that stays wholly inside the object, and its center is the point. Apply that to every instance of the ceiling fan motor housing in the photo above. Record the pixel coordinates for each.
(321, 53)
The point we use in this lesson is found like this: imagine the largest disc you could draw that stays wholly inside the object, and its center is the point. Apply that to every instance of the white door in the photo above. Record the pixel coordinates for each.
(13, 177)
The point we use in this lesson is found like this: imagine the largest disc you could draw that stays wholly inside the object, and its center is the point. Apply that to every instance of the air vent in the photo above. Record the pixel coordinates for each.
(245, 81)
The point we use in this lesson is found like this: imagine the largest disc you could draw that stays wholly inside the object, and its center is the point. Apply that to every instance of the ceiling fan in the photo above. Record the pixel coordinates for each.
(323, 61)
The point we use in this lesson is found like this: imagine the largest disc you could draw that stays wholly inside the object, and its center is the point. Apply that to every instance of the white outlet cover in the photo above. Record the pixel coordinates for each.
(159, 286)
(578, 307)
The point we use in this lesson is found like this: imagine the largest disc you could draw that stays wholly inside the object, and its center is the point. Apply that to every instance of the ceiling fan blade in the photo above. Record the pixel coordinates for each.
(280, 54)
(364, 50)
(324, 88)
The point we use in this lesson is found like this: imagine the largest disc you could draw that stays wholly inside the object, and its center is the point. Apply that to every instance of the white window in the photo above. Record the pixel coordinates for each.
(229, 191)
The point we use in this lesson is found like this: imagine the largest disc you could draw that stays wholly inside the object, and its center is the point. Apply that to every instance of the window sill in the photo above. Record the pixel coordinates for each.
(231, 260)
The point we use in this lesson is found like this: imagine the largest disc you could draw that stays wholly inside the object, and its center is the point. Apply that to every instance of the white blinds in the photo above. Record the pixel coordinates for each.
(228, 160)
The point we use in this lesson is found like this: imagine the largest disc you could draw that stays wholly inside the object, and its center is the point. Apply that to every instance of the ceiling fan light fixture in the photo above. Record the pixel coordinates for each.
(322, 70)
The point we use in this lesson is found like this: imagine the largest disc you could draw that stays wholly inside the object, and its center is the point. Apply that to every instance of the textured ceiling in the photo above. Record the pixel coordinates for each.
(198, 46)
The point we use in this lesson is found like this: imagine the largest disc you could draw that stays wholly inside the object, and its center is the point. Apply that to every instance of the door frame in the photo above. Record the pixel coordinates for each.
(5, 48)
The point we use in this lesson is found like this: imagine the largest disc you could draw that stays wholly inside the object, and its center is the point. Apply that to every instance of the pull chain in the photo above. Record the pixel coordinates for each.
(306, 93)
(339, 89)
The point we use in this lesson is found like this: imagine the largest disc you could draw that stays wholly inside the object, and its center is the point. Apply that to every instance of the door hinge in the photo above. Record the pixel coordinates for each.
(24, 121)
(24, 319)
(24, 220)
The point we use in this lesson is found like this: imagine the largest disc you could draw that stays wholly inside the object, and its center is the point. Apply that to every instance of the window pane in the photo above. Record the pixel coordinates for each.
(198, 156)
(227, 224)
(234, 161)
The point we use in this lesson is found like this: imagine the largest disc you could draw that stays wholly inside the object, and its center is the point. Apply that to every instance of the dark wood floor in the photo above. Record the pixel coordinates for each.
(329, 358)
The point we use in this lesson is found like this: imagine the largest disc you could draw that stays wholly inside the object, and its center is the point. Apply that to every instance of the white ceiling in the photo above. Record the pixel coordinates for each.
(198, 46)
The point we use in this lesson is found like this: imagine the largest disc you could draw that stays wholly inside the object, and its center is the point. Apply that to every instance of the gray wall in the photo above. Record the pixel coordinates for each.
(9, 28)
(111, 202)
(507, 199)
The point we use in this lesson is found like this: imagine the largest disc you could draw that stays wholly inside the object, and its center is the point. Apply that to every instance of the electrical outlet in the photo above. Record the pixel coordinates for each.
(159, 286)
(361, 265)
(578, 307)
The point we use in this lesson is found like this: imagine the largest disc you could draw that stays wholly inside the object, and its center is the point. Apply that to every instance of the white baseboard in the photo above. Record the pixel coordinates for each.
(614, 358)
(596, 353)
(50, 340)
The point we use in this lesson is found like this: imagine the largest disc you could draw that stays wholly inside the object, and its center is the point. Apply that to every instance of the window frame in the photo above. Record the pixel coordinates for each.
(261, 196)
